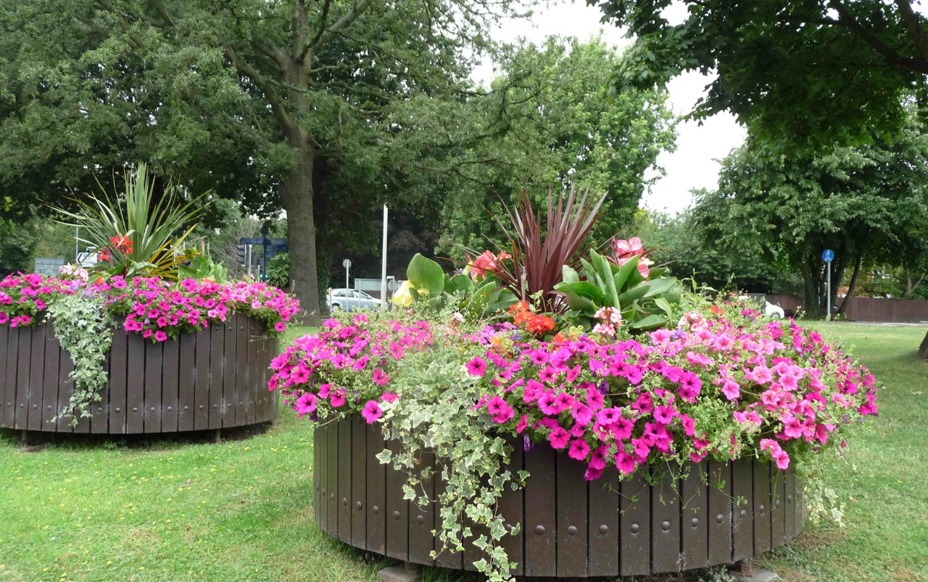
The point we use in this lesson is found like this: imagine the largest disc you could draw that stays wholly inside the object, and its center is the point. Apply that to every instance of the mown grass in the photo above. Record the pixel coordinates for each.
(164, 510)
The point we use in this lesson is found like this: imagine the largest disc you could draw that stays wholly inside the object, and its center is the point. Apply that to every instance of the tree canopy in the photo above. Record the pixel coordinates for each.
(803, 72)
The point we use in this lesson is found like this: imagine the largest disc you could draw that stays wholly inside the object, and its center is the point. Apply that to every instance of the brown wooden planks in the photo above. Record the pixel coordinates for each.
(761, 507)
(36, 371)
(446, 558)
(510, 506)
(170, 385)
(119, 366)
(8, 347)
(49, 381)
(240, 362)
(227, 408)
(743, 518)
(186, 381)
(216, 364)
(255, 389)
(693, 522)
(789, 516)
(358, 499)
(572, 518)
(202, 380)
(665, 522)
(376, 493)
(604, 525)
(154, 356)
(540, 512)
(397, 512)
(343, 494)
(135, 384)
(635, 550)
(720, 517)
(65, 367)
(321, 477)
(24, 338)
(422, 516)
(331, 476)
(777, 507)
(100, 410)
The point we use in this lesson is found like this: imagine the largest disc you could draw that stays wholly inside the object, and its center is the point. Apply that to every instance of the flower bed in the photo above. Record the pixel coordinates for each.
(186, 356)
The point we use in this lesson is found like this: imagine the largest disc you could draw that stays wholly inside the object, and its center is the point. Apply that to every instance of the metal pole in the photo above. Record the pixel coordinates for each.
(77, 250)
(346, 277)
(248, 258)
(828, 291)
(383, 263)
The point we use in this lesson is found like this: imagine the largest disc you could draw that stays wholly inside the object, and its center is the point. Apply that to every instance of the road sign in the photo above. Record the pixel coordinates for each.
(251, 241)
(346, 263)
(828, 255)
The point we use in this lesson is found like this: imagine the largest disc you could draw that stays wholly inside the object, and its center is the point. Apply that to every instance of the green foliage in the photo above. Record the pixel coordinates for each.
(795, 73)
(645, 304)
(156, 229)
(84, 327)
(202, 267)
(278, 270)
(17, 243)
(427, 285)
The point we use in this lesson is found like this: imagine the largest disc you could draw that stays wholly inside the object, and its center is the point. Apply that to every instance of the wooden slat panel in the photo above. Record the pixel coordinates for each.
(376, 493)
(694, 518)
(49, 380)
(239, 415)
(21, 418)
(331, 478)
(186, 381)
(789, 512)
(227, 408)
(255, 389)
(154, 356)
(202, 380)
(170, 384)
(216, 359)
(100, 410)
(473, 554)
(572, 514)
(65, 367)
(358, 498)
(801, 514)
(720, 518)
(635, 522)
(9, 349)
(777, 507)
(540, 515)
(422, 517)
(510, 506)
(761, 507)
(321, 446)
(344, 480)
(135, 384)
(397, 512)
(743, 522)
(604, 525)
(665, 523)
(36, 370)
(117, 384)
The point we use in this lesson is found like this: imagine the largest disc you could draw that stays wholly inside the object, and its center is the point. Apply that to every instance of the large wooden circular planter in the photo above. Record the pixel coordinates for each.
(570, 527)
(213, 379)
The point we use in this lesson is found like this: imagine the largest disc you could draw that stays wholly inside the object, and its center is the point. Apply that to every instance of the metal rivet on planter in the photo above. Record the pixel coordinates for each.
(376, 510)
(635, 528)
(358, 505)
(344, 501)
(135, 409)
(420, 519)
(396, 515)
(572, 531)
(762, 508)
(720, 518)
(332, 496)
(744, 512)
(539, 529)
(603, 529)
(695, 522)
(665, 525)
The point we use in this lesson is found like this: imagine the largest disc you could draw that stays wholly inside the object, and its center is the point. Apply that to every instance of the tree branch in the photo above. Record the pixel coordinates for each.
(913, 27)
(337, 26)
(277, 55)
(277, 106)
(323, 18)
(892, 57)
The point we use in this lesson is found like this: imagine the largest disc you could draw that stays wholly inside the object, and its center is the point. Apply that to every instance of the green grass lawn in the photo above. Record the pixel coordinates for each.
(102, 510)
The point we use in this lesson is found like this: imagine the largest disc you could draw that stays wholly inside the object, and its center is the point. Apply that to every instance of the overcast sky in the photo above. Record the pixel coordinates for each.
(699, 147)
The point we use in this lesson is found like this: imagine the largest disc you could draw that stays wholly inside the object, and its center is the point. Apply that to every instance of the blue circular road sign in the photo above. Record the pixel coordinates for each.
(828, 255)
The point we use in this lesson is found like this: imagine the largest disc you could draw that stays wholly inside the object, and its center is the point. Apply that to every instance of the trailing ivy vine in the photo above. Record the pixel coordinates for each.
(84, 327)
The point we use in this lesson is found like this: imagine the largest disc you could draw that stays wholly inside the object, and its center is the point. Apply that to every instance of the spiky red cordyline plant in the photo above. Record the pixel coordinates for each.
(538, 255)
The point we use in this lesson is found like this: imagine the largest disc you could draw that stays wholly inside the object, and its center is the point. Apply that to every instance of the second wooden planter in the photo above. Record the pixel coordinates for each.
(719, 514)
(213, 379)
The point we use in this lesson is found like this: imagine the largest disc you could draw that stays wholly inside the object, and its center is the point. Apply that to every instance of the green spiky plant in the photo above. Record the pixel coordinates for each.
(137, 236)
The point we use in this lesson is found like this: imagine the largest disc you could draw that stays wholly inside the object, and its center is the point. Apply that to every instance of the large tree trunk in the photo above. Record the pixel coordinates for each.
(812, 289)
(297, 197)
(923, 349)
(851, 285)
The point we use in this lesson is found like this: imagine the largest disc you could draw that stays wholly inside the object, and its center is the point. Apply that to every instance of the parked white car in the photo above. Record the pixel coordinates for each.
(350, 300)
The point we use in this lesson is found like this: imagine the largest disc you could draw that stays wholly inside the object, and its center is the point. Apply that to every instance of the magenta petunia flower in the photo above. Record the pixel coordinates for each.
(380, 377)
(559, 438)
(305, 404)
(476, 367)
(579, 450)
(371, 412)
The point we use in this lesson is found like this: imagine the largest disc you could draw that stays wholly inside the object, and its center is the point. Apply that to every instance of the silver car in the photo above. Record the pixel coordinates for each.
(350, 300)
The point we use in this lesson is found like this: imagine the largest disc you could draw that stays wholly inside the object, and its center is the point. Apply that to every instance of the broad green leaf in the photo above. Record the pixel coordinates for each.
(649, 322)
(580, 303)
(664, 306)
(635, 293)
(569, 275)
(621, 277)
(459, 282)
(660, 286)
(582, 288)
(425, 275)
(611, 296)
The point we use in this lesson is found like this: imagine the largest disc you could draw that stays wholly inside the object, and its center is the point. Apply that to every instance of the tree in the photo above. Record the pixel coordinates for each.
(274, 102)
(554, 125)
(857, 201)
(800, 72)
